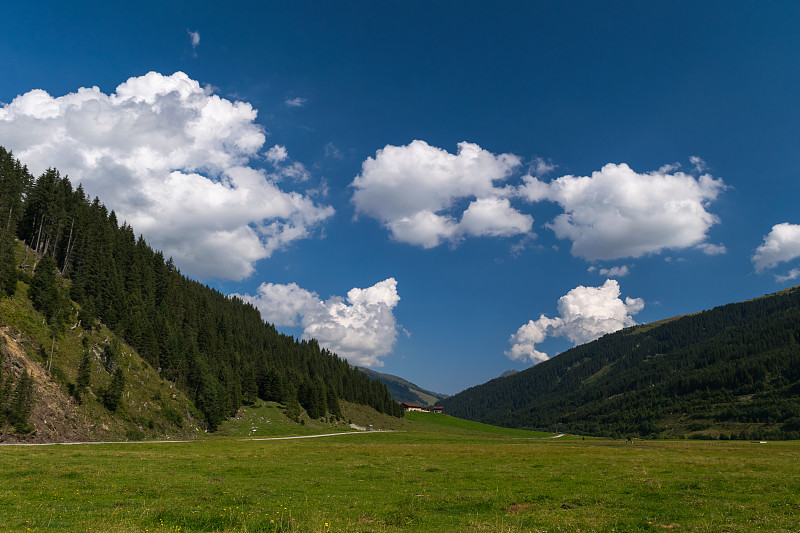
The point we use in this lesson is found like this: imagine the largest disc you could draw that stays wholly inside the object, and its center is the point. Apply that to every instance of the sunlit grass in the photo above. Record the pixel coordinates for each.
(428, 478)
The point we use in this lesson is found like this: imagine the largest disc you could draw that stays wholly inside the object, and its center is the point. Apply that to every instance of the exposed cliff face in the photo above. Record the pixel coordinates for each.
(57, 416)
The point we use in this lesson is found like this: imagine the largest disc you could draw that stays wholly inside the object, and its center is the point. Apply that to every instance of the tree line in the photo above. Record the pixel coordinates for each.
(214, 347)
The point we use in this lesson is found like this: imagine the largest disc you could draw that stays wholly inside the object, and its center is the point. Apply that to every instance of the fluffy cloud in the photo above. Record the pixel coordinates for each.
(426, 196)
(284, 305)
(417, 191)
(277, 154)
(585, 314)
(617, 212)
(362, 328)
(781, 244)
(173, 160)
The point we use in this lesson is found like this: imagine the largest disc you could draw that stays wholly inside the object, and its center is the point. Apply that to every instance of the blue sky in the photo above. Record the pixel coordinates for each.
(440, 190)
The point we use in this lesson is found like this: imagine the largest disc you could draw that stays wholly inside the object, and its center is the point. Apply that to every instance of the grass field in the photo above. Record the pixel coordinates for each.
(438, 474)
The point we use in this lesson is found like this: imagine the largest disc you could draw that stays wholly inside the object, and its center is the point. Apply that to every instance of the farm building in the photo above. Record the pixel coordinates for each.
(410, 406)
(414, 407)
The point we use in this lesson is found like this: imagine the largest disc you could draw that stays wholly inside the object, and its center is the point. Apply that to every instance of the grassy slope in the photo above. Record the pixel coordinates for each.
(438, 475)
(267, 419)
(150, 405)
(439, 423)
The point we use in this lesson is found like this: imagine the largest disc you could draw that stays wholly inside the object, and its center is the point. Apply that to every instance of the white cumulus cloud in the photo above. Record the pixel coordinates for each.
(585, 314)
(781, 244)
(418, 192)
(361, 328)
(277, 153)
(617, 212)
(173, 160)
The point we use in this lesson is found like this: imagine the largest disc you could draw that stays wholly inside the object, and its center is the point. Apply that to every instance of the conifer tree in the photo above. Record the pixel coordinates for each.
(5, 389)
(45, 291)
(84, 380)
(19, 410)
(333, 404)
(112, 396)
(8, 264)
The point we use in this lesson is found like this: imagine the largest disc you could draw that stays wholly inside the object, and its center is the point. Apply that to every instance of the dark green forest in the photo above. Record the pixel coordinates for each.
(730, 372)
(83, 265)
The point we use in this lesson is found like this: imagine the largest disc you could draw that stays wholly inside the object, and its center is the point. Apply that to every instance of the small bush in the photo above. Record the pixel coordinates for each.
(134, 434)
(172, 416)
(24, 428)
(24, 276)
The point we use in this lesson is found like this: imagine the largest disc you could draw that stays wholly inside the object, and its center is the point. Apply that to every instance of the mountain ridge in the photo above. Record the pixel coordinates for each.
(729, 372)
(403, 390)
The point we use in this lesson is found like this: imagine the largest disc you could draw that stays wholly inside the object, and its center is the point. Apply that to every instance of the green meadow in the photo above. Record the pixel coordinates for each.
(435, 473)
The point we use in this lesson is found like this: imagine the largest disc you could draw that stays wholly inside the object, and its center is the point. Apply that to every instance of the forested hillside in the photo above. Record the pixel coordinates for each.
(84, 267)
(731, 372)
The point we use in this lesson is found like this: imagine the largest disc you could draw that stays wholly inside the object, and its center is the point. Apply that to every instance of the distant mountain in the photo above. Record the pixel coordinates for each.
(405, 391)
(731, 372)
(509, 373)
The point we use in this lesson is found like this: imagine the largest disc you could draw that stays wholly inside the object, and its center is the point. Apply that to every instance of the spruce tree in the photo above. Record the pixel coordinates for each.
(8, 264)
(84, 373)
(112, 396)
(45, 291)
(19, 410)
(5, 389)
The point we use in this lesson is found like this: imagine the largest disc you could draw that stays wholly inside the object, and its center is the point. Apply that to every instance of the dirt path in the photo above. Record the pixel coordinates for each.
(540, 438)
(176, 441)
(91, 442)
(325, 435)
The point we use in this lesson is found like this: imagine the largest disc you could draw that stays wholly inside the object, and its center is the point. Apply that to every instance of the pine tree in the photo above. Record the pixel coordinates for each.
(333, 404)
(8, 264)
(19, 410)
(45, 291)
(5, 389)
(112, 396)
(84, 380)
(111, 356)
